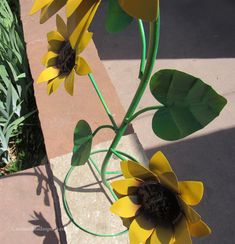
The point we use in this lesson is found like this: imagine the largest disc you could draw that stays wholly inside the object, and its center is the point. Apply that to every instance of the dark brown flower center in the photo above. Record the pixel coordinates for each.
(159, 204)
(66, 59)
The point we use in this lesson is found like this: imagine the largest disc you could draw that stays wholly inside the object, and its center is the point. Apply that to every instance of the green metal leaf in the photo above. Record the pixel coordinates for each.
(116, 20)
(190, 104)
(82, 143)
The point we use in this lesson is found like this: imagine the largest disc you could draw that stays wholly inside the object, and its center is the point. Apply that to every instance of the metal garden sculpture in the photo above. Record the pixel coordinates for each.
(156, 204)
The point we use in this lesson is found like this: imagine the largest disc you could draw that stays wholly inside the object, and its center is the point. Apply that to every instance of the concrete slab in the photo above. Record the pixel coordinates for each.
(88, 199)
(60, 112)
(27, 208)
(215, 72)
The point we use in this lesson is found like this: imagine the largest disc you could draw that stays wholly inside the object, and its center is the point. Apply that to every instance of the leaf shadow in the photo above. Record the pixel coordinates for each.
(43, 228)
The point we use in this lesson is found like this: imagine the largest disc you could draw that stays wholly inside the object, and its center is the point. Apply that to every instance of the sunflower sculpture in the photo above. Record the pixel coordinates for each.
(157, 205)
(141, 9)
(63, 59)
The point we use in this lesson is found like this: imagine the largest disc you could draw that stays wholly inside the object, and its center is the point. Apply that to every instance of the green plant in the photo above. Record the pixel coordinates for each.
(14, 82)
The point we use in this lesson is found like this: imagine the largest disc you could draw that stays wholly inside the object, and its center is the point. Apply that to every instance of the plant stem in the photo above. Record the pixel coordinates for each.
(143, 42)
(152, 52)
(90, 75)
(129, 120)
(103, 127)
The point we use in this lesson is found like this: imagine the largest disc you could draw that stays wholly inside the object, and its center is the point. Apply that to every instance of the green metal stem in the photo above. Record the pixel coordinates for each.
(103, 127)
(95, 165)
(152, 52)
(107, 172)
(117, 154)
(129, 120)
(143, 42)
(92, 79)
(118, 172)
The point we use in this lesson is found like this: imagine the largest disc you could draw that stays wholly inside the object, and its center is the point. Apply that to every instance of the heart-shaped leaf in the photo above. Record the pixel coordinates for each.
(116, 20)
(82, 143)
(190, 104)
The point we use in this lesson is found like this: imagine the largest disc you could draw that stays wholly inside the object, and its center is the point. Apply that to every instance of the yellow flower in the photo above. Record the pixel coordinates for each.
(157, 205)
(141, 9)
(63, 59)
(47, 7)
(79, 13)
(50, 7)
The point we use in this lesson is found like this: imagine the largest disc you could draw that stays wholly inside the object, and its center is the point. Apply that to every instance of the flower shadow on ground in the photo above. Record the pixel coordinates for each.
(43, 228)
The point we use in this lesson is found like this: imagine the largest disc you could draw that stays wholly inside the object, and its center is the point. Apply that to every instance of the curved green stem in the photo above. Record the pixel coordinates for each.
(69, 214)
(152, 52)
(103, 127)
(143, 42)
(121, 154)
(129, 120)
(92, 79)
(117, 154)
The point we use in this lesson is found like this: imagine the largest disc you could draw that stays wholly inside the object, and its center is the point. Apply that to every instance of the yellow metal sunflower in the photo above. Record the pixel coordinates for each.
(141, 9)
(50, 7)
(157, 205)
(47, 7)
(63, 59)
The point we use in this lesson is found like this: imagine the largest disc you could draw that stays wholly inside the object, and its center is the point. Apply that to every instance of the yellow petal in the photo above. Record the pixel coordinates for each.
(55, 40)
(49, 87)
(161, 235)
(54, 36)
(199, 229)
(84, 41)
(181, 232)
(191, 191)
(126, 187)
(48, 74)
(159, 163)
(82, 68)
(69, 83)
(44, 59)
(80, 20)
(141, 9)
(191, 215)
(125, 207)
(71, 6)
(47, 59)
(61, 27)
(38, 5)
(51, 9)
(57, 81)
(140, 230)
(169, 180)
(132, 169)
